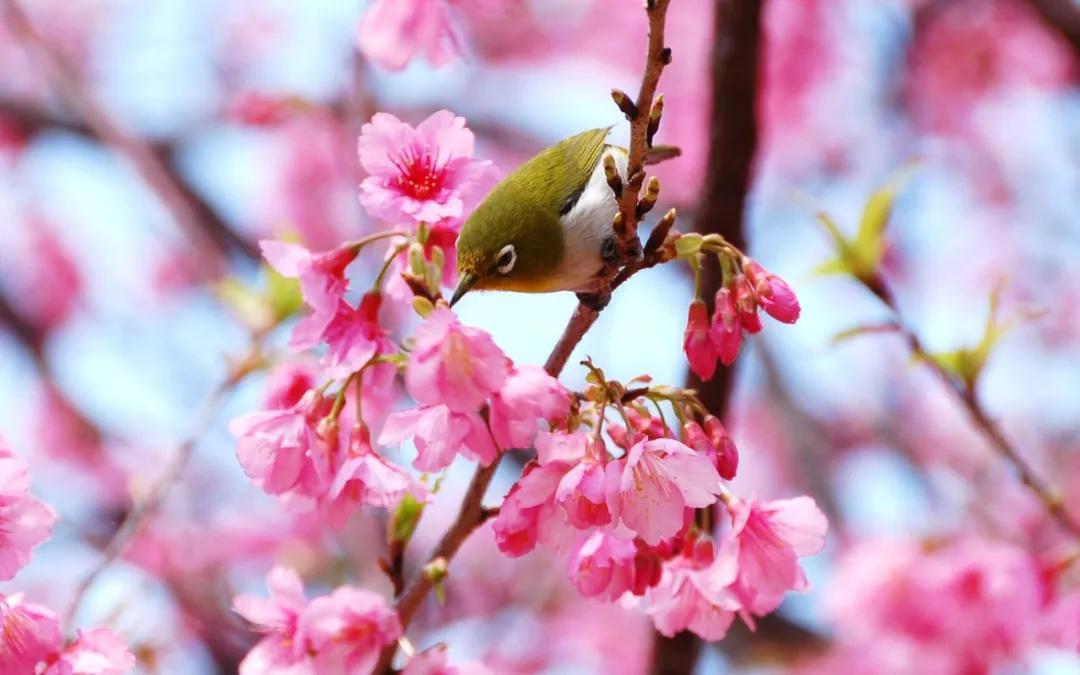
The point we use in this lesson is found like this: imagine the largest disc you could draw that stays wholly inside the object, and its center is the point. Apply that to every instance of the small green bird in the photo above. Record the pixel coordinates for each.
(547, 226)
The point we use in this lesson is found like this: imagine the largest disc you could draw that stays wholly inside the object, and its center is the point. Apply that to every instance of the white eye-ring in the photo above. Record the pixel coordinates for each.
(506, 260)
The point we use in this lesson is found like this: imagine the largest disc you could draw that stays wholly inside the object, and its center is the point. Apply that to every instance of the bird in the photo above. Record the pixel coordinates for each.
(547, 226)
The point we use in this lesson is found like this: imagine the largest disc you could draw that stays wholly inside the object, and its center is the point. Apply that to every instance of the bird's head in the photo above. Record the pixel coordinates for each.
(509, 244)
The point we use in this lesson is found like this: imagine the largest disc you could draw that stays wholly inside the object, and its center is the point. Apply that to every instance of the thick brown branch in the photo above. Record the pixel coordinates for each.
(733, 134)
(1062, 17)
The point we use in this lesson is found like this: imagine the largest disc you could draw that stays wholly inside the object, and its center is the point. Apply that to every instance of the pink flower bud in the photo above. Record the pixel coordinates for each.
(747, 304)
(700, 349)
(727, 455)
(714, 443)
(727, 328)
(648, 568)
(650, 427)
(773, 293)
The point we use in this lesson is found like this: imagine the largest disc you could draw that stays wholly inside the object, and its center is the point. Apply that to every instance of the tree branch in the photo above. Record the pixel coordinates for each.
(473, 513)
(141, 514)
(1050, 496)
(733, 134)
(211, 261)
(1062, 17)
(33, 119)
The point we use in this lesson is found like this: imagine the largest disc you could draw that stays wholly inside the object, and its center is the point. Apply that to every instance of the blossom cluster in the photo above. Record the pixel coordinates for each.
(747, 289)
(616, 498)
(993, 602)
(342, 632)
(624, 516)
(30, 634)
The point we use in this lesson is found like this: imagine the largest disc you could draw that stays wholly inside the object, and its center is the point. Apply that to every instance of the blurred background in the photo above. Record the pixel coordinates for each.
(146, 146)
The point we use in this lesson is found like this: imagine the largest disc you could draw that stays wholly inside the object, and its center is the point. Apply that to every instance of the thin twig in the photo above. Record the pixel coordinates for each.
(1050, 496)
(473, 513)
(149, 166)
(141, 514)
(656, 58)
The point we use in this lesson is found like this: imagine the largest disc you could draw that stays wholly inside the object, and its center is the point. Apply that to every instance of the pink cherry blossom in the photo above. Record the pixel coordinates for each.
(769, 538)
(25, 521)
(435, 661)
(988, 599)
(700, 349)
(602, 566)
(528, 396)
(773, 293)
(346, 630)
(393, 31)
(280, 652)
(692, 596)
(367, 478)
(313, 195)
(354, 337)
(322, 284)
(96, 652)
(424, 174)
(582, 492)
(440, 434)
(658, 480)
(529, 514)
(454, 365)
(29, 634)
(727, 329)
(287, 384)
(1061, 623)
(47, 283)
(275, 446)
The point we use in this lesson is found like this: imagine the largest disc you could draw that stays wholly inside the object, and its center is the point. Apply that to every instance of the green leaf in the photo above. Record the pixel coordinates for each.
(404, 519)
(845, 335)
(248, 306)
(962, 364)
(282, 295)
(834, 266)
(688, 245)
(848, 261)
(870, 241)
(422, 306)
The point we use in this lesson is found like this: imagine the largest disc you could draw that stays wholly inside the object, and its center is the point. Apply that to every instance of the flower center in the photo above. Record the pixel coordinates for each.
(419, 176)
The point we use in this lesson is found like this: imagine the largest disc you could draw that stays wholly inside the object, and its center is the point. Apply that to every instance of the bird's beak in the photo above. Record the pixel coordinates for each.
(465, 283)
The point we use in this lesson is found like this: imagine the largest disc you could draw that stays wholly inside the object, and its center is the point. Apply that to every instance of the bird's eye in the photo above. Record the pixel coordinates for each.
(506, 260)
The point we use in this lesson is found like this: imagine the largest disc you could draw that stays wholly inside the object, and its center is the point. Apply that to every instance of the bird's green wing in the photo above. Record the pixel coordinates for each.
(581, 153)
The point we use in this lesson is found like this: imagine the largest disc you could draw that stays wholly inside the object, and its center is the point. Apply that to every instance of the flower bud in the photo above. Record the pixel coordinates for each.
(773, 293)
(697, 344)
(747, 304)
(727, 328)
(727, 455)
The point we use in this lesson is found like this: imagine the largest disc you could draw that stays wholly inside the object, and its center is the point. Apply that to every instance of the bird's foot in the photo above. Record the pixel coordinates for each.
(595, 301)
(610, 252)
(614, 258)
